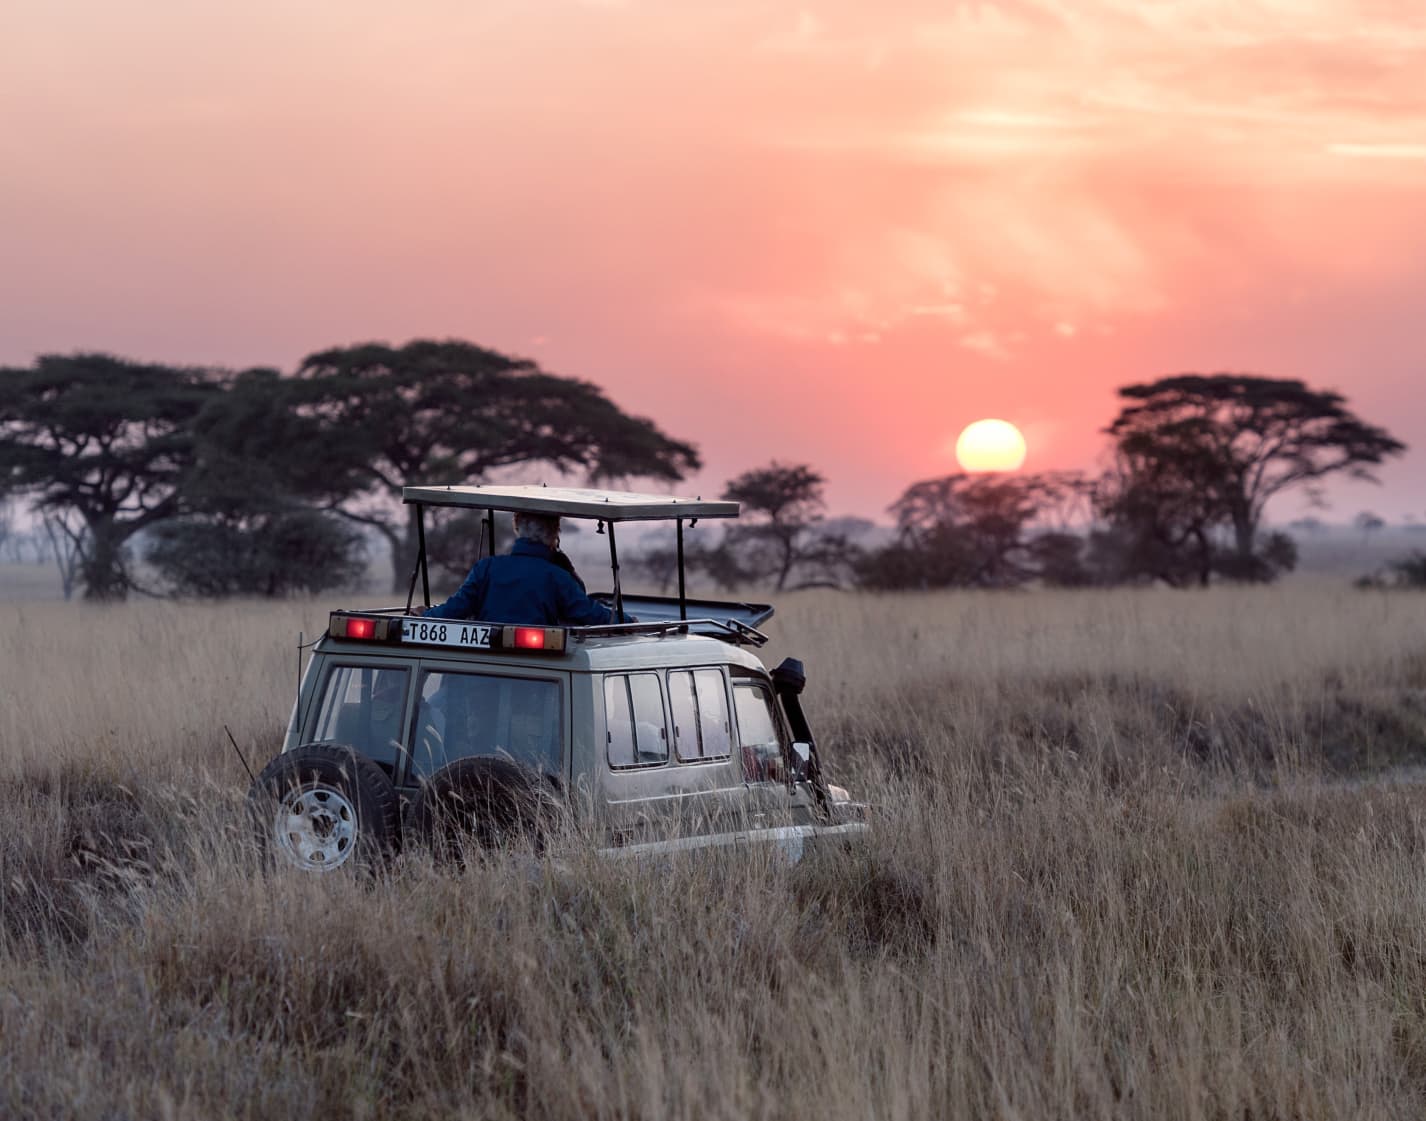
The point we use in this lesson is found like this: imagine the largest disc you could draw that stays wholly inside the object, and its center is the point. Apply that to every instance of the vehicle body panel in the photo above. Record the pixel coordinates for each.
(633, 802)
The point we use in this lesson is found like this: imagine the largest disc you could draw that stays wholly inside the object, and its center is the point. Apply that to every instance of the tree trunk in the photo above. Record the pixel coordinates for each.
(1245, 533)
(102, 569)
(785, 569)
(1205, 559)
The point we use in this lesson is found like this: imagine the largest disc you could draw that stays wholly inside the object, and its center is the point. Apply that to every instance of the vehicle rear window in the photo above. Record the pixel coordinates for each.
(636, 732)
(699, 701)
(362, 708)
(465, 714)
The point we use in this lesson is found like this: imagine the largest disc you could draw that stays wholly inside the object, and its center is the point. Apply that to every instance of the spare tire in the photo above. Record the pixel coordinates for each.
(324, 806)
(491, 803)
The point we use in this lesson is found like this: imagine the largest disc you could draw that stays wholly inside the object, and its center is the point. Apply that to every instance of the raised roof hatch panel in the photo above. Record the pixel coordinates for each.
(571, 502)
(661, 609)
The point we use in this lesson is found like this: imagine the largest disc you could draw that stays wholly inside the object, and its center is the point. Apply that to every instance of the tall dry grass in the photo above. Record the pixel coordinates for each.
(1112, 874)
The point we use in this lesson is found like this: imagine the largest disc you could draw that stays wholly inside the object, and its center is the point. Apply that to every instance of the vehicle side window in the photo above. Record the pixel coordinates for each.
(759, 740)
(636, 731)
(700, 714)
(685, 716)
(362, 707)
(619, 721)
(483, 714)
(713, 713)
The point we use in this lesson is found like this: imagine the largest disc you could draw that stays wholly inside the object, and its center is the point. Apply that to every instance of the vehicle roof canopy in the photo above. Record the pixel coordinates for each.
(571, 502)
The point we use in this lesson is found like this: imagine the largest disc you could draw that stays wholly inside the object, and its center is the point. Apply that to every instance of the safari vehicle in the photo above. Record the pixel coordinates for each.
(663, 734)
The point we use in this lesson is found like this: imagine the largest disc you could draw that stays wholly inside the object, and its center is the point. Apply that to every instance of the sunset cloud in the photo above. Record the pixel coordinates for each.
(1074, 155)
(1380, 151)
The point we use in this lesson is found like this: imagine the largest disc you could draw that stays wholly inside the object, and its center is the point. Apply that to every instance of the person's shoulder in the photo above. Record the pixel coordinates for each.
(561, 575)
(564, 581)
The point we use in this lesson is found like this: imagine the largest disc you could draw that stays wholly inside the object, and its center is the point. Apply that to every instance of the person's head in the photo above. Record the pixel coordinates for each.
(539, 527)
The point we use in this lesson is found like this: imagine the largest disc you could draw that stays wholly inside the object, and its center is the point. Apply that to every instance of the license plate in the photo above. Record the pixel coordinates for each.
(434, 632)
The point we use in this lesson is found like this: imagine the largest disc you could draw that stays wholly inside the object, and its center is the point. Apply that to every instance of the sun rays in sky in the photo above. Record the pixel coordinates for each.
(833, 232)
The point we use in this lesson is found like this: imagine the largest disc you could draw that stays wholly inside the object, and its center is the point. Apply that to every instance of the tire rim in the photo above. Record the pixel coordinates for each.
(316, 828)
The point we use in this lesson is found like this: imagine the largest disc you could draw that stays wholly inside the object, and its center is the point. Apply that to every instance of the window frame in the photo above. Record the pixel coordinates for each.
(730, 726)
(625, 676)
(780, 729)
(426, 666)
(312, 716)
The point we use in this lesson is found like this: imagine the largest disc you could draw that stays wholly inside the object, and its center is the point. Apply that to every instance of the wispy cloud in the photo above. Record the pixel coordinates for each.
(988, 344)
(1379, 151)
(1078, 156)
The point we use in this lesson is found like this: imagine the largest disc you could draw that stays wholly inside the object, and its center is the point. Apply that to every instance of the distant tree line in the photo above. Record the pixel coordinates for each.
(1404, 572)
(1195, 460)
(255, 483)
(258, 483)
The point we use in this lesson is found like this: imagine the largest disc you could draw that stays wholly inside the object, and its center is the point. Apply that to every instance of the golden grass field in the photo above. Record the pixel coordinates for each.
(1136, 854)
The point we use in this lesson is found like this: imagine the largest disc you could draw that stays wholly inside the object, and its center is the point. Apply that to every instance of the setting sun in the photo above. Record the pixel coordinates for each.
(990, 445)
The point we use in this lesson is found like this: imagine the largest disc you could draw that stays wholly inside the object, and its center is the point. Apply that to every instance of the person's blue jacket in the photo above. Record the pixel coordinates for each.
(525, 586)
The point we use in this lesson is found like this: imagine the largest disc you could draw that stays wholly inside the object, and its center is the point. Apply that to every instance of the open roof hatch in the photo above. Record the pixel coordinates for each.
(607, 507)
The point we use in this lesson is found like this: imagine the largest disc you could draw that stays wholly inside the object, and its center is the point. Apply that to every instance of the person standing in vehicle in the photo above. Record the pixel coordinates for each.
(527, 585)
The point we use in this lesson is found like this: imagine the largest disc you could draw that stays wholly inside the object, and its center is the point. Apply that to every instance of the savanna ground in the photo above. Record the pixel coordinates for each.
(1136, 854)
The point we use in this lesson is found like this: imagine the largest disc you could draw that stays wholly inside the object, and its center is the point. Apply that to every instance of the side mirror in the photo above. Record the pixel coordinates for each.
(789, 677)
(801, 757)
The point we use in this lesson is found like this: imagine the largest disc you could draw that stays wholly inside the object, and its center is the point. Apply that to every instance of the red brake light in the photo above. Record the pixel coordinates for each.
(530, 638)
(361, 628)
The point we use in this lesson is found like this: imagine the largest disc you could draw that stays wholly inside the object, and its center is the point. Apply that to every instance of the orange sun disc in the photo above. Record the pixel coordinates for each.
(990, 445)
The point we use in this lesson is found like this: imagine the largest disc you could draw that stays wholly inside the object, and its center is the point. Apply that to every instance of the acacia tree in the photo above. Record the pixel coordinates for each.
(271, 552)
(971, 531)
(436, 412)
(249, 526)
(782, 509)
(1161, 509)
(1368, 522)
(1236, 440)
(102, 446)
(256, 446)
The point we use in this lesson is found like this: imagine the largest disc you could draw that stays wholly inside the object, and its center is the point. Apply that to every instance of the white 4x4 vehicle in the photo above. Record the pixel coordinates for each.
(658, 735)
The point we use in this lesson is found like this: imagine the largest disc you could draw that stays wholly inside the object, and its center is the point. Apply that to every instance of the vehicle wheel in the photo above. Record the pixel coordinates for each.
(490, 803)
(324, 806)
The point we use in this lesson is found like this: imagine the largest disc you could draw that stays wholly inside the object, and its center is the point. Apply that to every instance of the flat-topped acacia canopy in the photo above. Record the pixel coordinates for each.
(571, 502)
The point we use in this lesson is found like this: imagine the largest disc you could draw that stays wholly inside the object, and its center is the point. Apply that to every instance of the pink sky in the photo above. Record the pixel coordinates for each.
(832, 232)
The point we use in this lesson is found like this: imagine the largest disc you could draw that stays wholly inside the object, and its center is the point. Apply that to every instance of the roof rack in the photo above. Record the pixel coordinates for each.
(732, 630)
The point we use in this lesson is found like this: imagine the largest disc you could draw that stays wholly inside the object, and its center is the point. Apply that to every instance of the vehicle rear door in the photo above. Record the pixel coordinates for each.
(463, 708)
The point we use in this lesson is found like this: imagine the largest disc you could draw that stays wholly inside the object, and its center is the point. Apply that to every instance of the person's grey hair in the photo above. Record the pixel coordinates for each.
(538, 527)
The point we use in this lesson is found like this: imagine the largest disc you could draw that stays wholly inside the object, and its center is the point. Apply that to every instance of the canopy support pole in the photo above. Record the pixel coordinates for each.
(421, 555)
(490, 525)
(614, 563)
(420, 562)
(682, 589)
